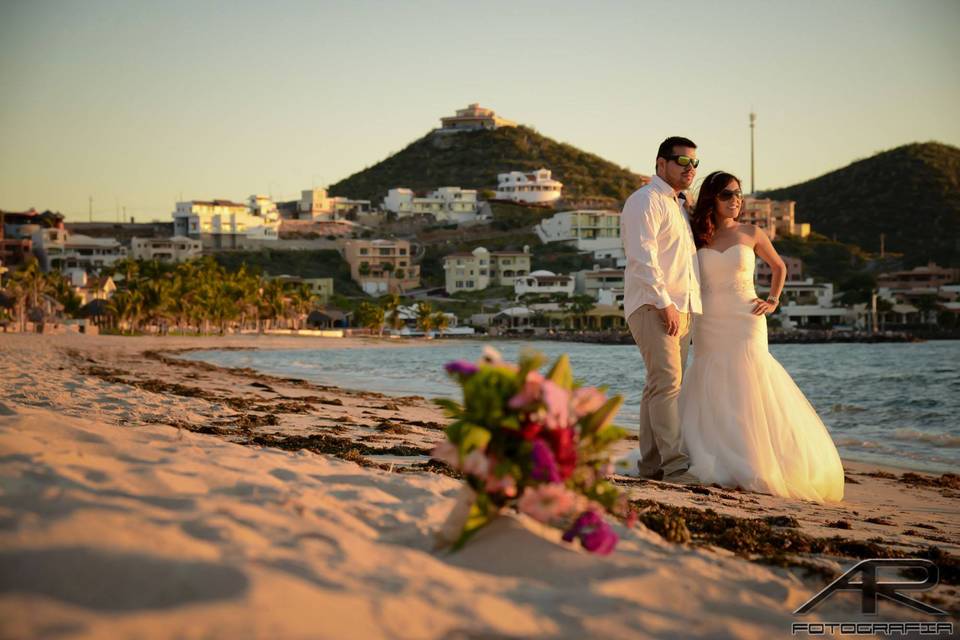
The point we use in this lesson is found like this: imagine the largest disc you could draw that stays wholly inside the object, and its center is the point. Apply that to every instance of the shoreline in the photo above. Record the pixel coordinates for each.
(131, 448)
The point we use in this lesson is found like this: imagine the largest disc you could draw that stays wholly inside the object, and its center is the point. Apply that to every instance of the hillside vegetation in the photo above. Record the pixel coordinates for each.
(911, 194)
(472, 160)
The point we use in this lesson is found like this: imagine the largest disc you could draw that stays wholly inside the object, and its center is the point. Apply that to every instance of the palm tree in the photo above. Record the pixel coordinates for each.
(392, 307)
(371, 316)
(441, 322)
(424, 317)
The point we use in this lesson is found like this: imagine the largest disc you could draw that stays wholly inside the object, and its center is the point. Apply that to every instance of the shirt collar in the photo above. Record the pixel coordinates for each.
(659, 184)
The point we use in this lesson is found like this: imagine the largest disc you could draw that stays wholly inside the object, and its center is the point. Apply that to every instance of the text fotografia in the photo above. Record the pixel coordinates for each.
(872, 628)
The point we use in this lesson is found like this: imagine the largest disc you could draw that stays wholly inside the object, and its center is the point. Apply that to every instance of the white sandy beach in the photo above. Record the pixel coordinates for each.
(119, 518)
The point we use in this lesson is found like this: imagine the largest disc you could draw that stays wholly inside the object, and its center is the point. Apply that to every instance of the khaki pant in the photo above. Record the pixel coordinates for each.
(661, 447)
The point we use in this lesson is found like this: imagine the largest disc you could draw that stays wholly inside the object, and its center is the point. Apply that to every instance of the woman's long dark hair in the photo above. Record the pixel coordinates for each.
(702, 221)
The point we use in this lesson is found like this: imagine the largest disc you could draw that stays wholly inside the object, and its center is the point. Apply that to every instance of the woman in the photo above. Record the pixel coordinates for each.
(743, 419)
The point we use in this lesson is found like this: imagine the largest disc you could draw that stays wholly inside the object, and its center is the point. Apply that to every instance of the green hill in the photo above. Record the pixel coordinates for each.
(911, 194)
(472, 159)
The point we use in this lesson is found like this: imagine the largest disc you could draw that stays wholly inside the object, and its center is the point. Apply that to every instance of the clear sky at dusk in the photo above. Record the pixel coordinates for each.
(137, 103)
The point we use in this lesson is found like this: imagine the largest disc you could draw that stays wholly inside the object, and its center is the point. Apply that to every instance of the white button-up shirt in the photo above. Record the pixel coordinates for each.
(662, 266)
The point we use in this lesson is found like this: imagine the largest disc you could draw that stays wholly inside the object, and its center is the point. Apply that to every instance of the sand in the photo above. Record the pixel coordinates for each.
(145, 497)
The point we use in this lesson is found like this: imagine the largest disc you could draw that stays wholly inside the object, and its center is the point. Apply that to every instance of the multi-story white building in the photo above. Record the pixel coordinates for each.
(316, 205)
(175, 249)
(473, 118)
(532, 188)
(542, 282)
(479, 269)
(590, 230)
(222, 224)
(591, 282)
(451, 204)
(263, 206)
(61, 250)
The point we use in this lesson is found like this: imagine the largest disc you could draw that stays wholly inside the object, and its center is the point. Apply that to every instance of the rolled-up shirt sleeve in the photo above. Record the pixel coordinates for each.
(641, 220)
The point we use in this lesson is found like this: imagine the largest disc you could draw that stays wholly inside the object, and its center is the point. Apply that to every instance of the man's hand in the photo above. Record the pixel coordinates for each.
(671, 320)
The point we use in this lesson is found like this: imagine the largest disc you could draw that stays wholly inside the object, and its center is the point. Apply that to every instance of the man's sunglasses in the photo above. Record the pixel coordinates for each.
(726, 194)
(685, 160)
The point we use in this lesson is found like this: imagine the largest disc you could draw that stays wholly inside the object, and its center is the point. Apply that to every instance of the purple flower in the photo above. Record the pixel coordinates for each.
(595, 534)
(461, 368)
(544, 464)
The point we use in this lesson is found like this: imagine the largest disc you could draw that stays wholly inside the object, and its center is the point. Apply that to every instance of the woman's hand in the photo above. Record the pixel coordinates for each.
(763, 307)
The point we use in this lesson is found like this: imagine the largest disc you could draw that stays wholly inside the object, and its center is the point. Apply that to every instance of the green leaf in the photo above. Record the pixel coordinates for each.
(482, 512)
(602, 416)
(561, 373)
(450, 407)
(473, 437)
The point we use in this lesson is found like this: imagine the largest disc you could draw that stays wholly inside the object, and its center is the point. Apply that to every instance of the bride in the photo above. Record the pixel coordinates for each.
(743, 419)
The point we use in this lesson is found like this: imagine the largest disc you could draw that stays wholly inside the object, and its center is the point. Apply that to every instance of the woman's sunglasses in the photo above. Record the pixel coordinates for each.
(726, 194)
(685, 160)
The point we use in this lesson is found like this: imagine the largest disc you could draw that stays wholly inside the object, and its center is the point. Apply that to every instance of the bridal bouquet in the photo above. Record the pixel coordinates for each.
(538, 443)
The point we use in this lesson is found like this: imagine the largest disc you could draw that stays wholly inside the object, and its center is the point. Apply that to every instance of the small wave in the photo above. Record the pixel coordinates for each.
(847, 408)
(863, 444)
(939, 439)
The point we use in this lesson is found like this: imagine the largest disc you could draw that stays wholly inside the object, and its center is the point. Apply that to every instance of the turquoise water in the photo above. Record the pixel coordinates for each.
(894, 404)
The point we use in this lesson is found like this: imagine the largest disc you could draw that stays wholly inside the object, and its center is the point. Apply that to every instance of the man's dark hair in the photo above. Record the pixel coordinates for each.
(666, 147)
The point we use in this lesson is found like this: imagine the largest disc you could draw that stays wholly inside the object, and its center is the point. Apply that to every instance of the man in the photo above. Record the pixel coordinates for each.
(662, 291)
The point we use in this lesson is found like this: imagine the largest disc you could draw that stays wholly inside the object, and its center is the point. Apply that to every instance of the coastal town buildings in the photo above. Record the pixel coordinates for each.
(542, 282)
(16, 233)
(176, 249)
(223, 224)
(382, 266)
(315, 204)
(446, 204)
(928, 279)
(321, 288)
(59, 249)
(588, 230)
(537, 187)
(473, 118)
(764, 274)
(90, 287)
(478, 269)
(758, 212)
(773, 216)
(590, 282)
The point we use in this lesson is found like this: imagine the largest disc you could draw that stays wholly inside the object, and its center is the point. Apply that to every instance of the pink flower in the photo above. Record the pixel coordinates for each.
(546, 502)
(557, 401)
(505, 485)
(595, 534)
(530, 392)
(476, 464)
(586, 400)
(448, 453)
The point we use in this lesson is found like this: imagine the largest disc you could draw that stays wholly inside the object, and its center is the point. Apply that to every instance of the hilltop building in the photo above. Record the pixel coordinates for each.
(532, 188)
(446, 204)
(316, 205)
(589, 230)
(773, 216)
(382, 266)
(473, 118)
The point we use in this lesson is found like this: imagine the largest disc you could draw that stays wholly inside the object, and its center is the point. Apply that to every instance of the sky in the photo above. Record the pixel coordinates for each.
(141, 104)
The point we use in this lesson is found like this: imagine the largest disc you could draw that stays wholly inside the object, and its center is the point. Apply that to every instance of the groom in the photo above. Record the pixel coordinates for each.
(661, 291)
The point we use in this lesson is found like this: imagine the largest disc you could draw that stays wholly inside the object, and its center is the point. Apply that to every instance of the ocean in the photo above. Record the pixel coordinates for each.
(893, 404)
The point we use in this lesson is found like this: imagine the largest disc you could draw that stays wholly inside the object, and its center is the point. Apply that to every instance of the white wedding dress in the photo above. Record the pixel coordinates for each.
(743, 419)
